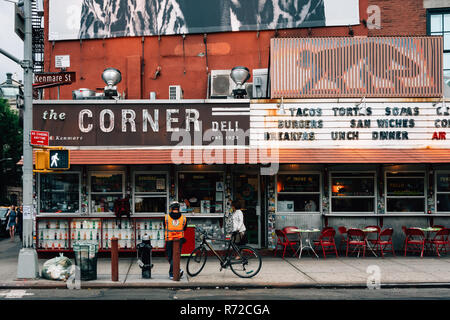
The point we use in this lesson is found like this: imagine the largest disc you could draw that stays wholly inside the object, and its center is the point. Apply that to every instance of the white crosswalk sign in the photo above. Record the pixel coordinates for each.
(59, 159)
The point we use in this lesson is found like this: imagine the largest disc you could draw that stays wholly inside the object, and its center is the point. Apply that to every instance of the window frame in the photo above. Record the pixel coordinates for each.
(424, 197)
(375, 192)
(62, 213)
(177, 173)
(439, 11)
(150, 194)
(297, 173)
(93, 173)
(436, 192)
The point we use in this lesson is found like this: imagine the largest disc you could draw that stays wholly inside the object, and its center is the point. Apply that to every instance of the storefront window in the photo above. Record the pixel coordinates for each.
(60, 192)
(298, 193)
(106, 188)
(353, 192)
(201, 192)
(150, 192)
(443, 191)
(405, 191)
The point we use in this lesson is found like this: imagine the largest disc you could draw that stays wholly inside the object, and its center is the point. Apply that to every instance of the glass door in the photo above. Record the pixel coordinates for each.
(246, 191)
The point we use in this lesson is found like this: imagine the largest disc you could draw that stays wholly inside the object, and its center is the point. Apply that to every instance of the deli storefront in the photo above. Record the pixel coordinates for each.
(307, 163)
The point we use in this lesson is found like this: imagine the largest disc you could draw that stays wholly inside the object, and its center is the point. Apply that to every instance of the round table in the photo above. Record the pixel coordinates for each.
(307, 238)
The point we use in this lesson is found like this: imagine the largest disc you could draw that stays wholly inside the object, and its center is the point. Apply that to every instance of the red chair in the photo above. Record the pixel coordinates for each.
(416, 238)
(356, 238)
(343, 232)
(326, 240)
(292, 235)
(440, 240)
(283, 241)
(384, 240)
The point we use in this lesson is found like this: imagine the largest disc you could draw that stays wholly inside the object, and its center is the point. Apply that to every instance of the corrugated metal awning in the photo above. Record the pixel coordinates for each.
(247, 156)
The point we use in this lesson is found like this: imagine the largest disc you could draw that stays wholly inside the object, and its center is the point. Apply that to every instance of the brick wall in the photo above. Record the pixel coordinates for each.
(400, 17)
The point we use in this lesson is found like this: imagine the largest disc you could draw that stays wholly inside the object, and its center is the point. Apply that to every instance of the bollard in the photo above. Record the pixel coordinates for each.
(114, 259)
(176, 259)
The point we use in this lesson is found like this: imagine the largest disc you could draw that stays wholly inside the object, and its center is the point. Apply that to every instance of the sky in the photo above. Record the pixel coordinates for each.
(10, 41)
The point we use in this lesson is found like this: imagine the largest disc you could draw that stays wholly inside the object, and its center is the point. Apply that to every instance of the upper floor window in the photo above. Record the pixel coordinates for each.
(439, 25)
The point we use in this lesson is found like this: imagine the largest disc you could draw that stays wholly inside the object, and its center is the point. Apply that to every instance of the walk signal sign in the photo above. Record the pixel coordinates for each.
(59, 159)
(52, 160)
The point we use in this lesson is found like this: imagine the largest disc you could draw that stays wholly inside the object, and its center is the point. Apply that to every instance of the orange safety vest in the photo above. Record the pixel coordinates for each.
(174, 227)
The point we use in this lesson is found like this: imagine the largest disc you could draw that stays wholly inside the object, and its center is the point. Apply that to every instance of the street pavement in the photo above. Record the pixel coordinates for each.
(291, 272)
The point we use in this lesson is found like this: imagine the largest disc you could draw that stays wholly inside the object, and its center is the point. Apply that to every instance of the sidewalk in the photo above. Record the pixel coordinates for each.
(306, 272)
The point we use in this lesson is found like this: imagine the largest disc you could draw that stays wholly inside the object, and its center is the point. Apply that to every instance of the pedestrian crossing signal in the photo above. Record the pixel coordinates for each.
(59, 159)
(41, 162)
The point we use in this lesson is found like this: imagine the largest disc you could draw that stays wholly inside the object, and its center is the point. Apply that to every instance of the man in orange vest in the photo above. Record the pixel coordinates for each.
(174, 225)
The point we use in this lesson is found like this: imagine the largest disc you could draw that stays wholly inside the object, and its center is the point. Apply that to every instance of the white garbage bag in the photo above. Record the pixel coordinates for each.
(59, 268)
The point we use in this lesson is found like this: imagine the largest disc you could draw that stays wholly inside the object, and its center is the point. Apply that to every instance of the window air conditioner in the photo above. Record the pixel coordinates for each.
(175, 93)
(221, 84)
(260, 83)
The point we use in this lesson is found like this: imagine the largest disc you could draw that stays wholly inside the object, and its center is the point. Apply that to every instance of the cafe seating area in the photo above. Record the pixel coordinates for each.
(361, 242)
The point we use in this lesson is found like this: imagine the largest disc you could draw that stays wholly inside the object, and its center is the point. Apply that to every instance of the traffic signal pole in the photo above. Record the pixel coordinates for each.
(27, 263)
(27, 267)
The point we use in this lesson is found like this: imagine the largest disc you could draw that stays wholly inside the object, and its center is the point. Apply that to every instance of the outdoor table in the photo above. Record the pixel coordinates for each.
(427, 232)
(368, 244)
(308, 233)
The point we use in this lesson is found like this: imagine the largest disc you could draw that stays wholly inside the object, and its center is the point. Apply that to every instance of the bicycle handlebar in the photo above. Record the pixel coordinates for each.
(207, 236)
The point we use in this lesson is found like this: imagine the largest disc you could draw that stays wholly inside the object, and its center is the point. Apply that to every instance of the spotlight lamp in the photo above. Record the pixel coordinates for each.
(111, 77)
(240, 75)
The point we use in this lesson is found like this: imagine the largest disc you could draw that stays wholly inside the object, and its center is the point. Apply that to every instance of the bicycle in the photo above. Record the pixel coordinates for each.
(244, 261)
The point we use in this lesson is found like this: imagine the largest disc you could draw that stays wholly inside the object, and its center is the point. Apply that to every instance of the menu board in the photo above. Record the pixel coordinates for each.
(350, 125)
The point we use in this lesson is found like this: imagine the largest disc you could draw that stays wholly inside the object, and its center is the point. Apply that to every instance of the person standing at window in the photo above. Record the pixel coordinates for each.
(175, 225)
(11, 216)
(238, 231)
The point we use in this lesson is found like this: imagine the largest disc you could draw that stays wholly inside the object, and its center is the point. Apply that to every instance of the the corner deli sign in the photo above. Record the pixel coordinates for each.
(350, 125)
(143, 124)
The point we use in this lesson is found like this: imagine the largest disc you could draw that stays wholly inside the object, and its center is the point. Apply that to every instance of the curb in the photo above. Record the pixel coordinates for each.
(234, 286)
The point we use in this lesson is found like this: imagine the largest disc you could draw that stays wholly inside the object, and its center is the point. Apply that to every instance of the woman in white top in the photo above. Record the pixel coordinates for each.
(238, 223)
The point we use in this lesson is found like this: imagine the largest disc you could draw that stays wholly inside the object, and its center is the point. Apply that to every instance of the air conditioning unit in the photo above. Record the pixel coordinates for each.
(221, 84)
(175, 93)
(249, 89)
(260, 83)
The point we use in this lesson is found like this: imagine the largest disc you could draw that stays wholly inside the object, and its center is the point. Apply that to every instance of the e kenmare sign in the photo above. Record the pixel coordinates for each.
(142, 124)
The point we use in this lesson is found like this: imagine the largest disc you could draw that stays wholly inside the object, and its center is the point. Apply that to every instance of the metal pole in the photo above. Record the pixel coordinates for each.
(114, 259)
(10, 56)
(27, 265)
(176, 259)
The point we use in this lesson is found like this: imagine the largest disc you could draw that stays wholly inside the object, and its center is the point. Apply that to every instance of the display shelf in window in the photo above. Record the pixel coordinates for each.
(122, 229)
(85, 229)
(52, 234)
(154, 228)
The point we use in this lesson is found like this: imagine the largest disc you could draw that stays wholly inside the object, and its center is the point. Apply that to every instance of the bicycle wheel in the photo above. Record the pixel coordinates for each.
(246, 263)
(196, 261)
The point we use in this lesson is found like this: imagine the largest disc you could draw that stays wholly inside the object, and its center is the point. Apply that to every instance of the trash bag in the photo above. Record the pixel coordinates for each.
(59, 268)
